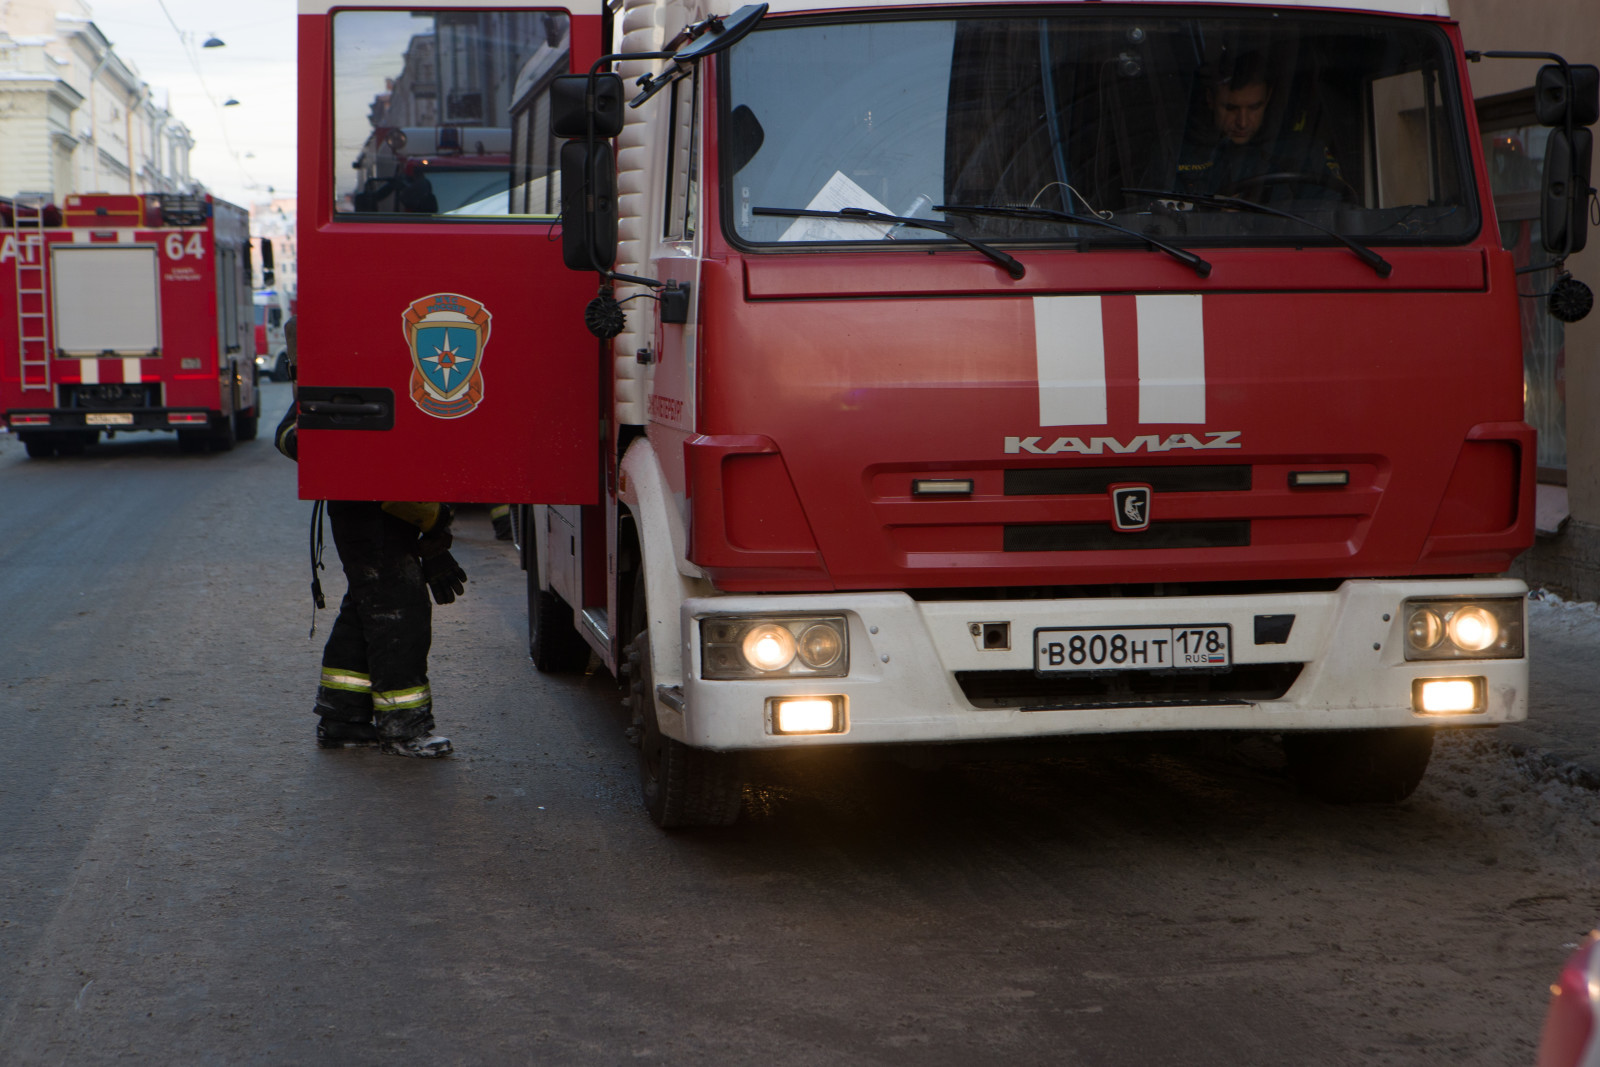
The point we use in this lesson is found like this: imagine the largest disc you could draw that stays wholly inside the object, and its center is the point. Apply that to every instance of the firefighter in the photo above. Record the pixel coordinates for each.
(374, 688)
(1236, 155)
(500, 518)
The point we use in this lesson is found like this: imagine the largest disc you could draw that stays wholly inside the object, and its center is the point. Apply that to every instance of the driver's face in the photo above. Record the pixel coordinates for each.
(1239, 111)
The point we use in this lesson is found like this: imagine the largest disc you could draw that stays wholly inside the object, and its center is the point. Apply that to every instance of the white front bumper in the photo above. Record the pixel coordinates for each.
(904, 655)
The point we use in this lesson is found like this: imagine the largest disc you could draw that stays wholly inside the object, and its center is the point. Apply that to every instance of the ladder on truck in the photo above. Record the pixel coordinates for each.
(33, 321)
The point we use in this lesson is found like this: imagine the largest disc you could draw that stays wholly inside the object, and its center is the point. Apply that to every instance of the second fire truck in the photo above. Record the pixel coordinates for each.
(126, 312)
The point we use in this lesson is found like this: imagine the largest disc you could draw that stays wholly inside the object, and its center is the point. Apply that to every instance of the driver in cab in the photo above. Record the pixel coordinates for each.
(1234, 156)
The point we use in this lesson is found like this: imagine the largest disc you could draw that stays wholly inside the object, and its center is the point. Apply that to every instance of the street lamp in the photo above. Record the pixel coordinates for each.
(214, 42)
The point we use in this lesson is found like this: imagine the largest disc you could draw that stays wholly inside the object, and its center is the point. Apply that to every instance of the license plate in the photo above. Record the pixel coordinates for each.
(113, 418)
(1132, 648)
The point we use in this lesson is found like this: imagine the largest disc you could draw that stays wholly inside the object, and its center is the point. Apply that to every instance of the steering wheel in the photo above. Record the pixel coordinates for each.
(1260, 182)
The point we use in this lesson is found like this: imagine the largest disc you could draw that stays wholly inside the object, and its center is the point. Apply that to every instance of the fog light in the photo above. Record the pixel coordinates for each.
(807, 715)
(1447, 696)
(769, 647)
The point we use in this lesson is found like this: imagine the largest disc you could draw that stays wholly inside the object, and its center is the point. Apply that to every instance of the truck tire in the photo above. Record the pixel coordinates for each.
(681, 786)
(39, 447)
(221, 436)
(191, 441)
(246, 423)
(1359, 766)
(554, 644)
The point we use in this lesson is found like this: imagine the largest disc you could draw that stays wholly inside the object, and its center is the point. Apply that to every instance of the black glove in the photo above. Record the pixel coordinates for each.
(446, 580)
(435, 542)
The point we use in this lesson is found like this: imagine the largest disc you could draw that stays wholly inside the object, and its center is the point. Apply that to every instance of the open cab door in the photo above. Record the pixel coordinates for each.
(442, 351)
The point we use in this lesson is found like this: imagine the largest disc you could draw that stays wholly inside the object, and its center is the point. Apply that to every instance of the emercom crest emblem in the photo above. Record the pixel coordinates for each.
(447, 334)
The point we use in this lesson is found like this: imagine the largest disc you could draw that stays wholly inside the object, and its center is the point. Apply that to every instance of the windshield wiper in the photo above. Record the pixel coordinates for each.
(861, 214)
(1365, 254)
(1182, 255)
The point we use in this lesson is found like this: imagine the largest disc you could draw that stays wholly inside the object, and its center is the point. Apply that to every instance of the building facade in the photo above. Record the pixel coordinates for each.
(74, 116)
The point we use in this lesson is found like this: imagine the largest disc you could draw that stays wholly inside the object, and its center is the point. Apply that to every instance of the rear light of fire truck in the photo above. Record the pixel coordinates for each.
(187, 418)
(30, 420)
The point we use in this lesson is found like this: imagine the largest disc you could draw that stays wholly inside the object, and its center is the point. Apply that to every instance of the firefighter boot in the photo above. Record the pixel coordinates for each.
(337, 733)
(428, 746)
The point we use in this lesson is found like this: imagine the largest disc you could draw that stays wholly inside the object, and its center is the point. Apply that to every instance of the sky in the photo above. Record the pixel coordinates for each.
(244, 153)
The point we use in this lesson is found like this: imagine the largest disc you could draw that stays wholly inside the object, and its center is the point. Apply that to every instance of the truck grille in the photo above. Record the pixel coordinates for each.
(111, 395)
(1240, 684)
(1098, 537)
(1089, 481)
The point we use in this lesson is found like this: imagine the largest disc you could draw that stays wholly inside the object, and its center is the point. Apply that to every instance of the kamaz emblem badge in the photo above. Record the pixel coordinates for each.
(447, 334)
(1130, 508)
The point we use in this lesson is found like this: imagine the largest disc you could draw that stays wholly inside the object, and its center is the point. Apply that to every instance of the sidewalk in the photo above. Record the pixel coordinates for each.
(1563, 723)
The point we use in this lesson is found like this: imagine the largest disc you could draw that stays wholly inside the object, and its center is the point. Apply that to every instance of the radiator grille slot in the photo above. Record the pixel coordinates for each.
(1097, 537)
(1240, 684)
(1090, 481)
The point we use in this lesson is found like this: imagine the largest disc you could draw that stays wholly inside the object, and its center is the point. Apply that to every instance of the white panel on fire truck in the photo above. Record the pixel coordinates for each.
(1070, 343)
(106, 299)
(1172, 358)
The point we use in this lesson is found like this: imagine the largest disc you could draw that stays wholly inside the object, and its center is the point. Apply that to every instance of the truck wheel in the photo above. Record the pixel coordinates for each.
(1359, 766)
(39, 447)
(246, 423)
(221, 437)
(554, 644)
(191, 441)
(681, 786)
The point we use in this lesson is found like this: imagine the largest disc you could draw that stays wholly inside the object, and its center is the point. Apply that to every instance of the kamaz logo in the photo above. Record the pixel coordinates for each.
(1150, 442)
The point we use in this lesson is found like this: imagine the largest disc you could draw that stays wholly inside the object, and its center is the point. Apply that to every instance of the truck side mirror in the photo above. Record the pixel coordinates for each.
(1552, 97)
(588, 205)
(569, 105)
(267, 272)
(1564, 200)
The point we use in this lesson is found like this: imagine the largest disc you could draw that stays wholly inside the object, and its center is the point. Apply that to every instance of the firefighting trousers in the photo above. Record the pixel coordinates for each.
(375, 665)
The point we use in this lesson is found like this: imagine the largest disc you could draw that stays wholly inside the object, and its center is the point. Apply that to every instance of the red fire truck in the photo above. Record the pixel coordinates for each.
(966, 372)
(125, 312)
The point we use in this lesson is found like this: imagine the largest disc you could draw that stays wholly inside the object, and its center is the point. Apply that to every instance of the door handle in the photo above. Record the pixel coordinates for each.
(346, 408)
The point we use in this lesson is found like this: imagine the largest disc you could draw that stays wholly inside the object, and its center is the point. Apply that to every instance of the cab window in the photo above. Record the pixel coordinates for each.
(446, 113)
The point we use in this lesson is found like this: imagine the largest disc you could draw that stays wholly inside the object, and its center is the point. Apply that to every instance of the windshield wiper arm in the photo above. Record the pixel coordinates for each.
(1182, 255)
(861, 214)
(1365, 254)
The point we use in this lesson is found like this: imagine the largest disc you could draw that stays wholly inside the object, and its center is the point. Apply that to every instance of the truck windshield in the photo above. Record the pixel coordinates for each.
(1345, 123)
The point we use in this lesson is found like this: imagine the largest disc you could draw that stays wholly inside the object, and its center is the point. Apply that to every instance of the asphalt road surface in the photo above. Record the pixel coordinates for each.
(186, 878)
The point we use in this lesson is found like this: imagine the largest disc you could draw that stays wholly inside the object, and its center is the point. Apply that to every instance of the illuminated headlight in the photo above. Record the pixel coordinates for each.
(1464, 629)
(806, 715)
(774, 647)
(1447, 696)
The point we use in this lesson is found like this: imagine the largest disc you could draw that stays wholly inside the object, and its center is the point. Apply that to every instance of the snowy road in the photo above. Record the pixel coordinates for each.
(186, 879)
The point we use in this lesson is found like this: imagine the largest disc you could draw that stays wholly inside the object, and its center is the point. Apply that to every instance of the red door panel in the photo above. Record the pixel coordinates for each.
(442, 351)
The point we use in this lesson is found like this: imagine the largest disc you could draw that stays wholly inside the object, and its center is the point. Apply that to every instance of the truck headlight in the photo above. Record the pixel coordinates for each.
(1464, 629)
(801, 646)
